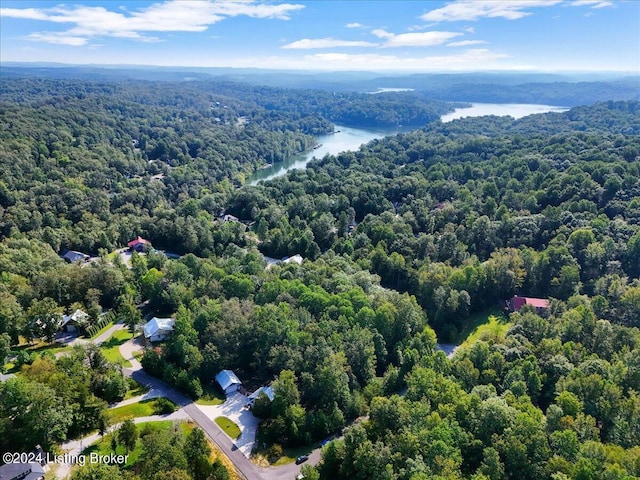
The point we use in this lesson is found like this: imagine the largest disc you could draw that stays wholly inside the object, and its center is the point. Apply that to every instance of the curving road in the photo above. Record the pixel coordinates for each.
(244, 466)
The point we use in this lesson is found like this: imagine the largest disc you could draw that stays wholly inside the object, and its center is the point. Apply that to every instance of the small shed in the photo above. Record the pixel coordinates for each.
(228, 381)
(158, 329)
(74, 322)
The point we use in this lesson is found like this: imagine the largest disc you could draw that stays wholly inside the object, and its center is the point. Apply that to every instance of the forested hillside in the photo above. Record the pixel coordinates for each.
(403, 241)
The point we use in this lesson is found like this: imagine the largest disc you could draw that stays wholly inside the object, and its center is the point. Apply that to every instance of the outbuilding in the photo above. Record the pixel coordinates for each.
(228, 381)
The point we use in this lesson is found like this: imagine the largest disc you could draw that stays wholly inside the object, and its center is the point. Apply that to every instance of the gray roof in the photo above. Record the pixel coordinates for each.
(73, 256)
(4, 377)
(226, 378)
(12, 471)
(158, 325)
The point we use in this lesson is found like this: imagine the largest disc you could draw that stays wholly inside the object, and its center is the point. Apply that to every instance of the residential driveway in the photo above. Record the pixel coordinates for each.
(234, 408)
(128, 348)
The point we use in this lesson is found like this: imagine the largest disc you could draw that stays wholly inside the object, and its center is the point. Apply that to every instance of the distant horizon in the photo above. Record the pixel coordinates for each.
(381, 36)
(40, 64)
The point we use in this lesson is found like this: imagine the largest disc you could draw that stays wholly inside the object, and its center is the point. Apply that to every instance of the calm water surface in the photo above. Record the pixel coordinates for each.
(343, 140)
(515, 110)
(347, 138)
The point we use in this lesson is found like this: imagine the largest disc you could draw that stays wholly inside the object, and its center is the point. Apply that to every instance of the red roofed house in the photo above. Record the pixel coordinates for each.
(138, 244)
(540, 304)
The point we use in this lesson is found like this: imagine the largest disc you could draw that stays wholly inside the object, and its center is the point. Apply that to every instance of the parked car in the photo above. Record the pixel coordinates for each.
(301, 459)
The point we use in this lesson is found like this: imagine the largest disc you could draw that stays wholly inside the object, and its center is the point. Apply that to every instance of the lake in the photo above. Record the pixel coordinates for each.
(515, 110)
(344, 139)
(347, 138)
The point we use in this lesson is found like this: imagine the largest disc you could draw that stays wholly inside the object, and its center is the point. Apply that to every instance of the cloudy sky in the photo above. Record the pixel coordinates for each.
(458, 35)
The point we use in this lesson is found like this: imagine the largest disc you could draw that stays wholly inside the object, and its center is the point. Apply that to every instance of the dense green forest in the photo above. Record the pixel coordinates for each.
(403, 241)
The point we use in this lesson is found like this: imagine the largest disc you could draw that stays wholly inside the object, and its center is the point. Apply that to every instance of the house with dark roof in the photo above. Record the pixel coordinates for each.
(515, 304)
(73, 256)
(228, 381)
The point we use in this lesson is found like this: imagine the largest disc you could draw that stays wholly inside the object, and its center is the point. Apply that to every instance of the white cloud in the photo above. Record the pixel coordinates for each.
(355, 25)
(465, 43)
(473, 59)
(168, 16)
(469, 29)
(58, 39)
(308, 43)
(591, 3)
(475, 9)
(422, 39)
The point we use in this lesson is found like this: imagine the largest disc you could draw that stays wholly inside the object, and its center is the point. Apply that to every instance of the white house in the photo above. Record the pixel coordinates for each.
(73, 322)
(228, 381)
(268, 391)
(157, 329)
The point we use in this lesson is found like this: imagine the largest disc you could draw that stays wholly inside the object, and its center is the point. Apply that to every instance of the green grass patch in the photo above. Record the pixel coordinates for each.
(111, 348)
(135, 389)
(144, 408)
(491, 325)
(210, 396)
(289, 455)
(11, 367)
(475, 321)
(228, 427)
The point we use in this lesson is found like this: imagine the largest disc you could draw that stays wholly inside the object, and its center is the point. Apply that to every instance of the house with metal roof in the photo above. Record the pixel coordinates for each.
(158, 329)
(74, 322)
(541, 305)
(228, 381)
(22, 471)
(268, 391)
(73, 256)
(139, 244)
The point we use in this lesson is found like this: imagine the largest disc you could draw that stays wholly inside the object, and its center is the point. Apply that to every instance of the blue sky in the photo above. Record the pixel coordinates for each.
(421, 36)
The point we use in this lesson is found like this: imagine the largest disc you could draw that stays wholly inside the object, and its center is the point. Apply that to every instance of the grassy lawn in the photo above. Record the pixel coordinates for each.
(289, 455)
(228, 427)
(211, 396)
(489, 324)
(144, 408)
(135, 389)
(110, 348)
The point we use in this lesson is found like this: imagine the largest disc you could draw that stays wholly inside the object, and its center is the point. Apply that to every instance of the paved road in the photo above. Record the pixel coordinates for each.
(188, 409)
(244, 466)
(75, 447)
